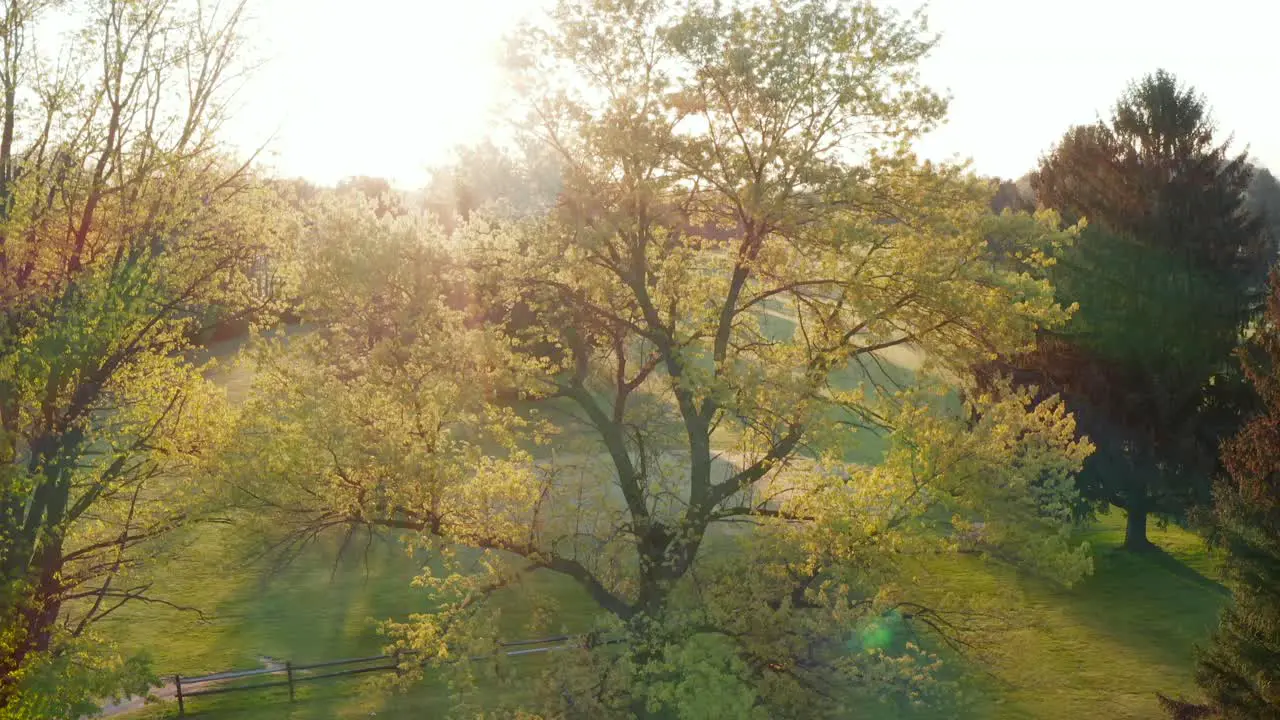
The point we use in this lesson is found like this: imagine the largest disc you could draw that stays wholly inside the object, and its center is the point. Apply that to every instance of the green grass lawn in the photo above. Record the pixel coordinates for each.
(1104, 647)
(1101, 649)
(320, 607)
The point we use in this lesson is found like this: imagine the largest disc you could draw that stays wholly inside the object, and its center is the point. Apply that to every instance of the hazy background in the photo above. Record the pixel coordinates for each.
(386, 87)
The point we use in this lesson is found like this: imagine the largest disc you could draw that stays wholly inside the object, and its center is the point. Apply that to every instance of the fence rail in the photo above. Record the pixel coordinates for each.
(190, 687)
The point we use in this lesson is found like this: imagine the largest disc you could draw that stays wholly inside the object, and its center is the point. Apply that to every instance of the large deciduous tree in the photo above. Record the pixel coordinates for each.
(742, 238)
(122, 221)
(1166, 276)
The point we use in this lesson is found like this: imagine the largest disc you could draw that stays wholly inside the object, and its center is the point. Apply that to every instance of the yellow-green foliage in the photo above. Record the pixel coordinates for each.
(717, 165)
(124, 225)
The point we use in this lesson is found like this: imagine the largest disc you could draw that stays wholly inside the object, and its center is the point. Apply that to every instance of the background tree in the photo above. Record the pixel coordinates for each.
(1264, 202)
(121, 223)
(1015, 195)
(1166, 278)
(386, 200)
(742, 231)
(501, 181)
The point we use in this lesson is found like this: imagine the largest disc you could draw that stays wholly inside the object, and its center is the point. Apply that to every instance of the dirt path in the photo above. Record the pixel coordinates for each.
(165, 693)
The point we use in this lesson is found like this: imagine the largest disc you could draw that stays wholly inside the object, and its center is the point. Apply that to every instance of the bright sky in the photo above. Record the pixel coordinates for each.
(387, 87)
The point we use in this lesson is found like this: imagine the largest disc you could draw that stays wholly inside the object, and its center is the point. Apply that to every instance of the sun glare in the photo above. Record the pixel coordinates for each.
(389, 89)
(384, 91)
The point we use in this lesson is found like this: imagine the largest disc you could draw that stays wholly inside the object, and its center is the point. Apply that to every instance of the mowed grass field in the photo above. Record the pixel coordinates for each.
(321, 607)
(1101, 649)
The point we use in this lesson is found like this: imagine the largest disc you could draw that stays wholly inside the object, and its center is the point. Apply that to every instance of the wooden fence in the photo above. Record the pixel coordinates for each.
(189, 687)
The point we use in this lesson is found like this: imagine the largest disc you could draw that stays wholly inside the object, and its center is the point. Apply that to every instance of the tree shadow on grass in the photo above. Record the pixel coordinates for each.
(1103, 647)
(318, 608)
(1160, 558)
(1151, 601)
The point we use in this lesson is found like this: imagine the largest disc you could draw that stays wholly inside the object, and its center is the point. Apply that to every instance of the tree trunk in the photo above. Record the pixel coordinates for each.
(1135, 528)
(48, 598)
(33, 619)
(33, 571)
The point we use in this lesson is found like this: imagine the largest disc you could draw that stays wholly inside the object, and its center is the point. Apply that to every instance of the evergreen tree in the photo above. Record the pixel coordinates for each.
(1240, 670)
(1166, 276)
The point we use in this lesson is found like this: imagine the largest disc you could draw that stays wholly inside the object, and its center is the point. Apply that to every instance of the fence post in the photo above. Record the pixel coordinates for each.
(177, 683)
(288, 668)
(396, 659)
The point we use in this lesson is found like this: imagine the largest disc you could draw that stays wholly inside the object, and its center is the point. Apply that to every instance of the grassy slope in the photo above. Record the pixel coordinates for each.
(1101, 649)
(312, 611)
(1105, 647)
